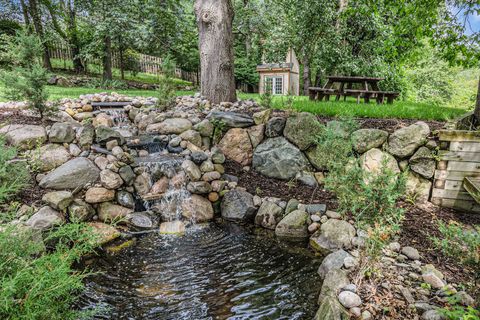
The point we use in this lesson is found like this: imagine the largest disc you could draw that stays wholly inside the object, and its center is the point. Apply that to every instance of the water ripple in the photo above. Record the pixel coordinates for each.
(214, 272)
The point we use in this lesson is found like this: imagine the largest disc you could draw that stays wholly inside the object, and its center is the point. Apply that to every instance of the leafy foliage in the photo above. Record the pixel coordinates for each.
(39, 284)
(13, 175)
(458, 242)
(27, 78)
(369, 197)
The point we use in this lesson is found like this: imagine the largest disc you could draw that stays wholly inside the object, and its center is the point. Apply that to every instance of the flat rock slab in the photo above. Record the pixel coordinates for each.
(232, 119)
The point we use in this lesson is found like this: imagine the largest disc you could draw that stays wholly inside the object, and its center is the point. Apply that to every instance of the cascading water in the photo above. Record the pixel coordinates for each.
(119, 117)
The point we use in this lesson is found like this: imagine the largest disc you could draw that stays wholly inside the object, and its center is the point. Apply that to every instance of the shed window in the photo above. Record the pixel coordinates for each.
(274, 84)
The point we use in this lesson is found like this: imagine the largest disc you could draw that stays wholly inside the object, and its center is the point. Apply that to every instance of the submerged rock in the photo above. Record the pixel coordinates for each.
(172, 227)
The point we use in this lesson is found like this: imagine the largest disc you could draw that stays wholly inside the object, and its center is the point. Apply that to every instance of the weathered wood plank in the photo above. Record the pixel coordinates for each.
(454, 175)
(459, 135)
(463, 166)
(465, 146)
(463, 156)
(472, 185)
(451, 194)
(463, 205)
(454, 185)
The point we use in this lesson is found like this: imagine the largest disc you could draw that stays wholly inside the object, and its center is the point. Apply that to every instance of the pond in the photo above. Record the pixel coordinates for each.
(215, 271)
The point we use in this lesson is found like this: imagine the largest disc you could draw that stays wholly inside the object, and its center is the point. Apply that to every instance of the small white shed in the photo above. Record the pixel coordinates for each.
(281, 78)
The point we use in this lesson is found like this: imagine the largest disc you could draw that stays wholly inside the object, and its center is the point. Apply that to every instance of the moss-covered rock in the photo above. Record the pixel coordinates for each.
(294, 225)
(302, 130)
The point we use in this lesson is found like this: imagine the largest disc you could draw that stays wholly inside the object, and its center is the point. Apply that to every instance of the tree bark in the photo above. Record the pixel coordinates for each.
(37, 24)
(107, 58)
(214, 20)
(306, 74)
(476, 112)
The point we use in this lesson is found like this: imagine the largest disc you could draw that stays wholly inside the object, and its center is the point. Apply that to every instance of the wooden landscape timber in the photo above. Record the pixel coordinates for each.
(457, 178)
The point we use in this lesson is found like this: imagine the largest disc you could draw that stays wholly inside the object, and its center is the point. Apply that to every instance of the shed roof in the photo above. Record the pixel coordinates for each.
(276, 66)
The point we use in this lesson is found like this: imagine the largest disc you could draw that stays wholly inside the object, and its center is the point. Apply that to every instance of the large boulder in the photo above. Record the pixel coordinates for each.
(51, 156)
(333, 235)
(26, 137)
(237, 205)
(403, 142)
(302, 130)
(205, 128)
(104, 134)
(45, 218)
(417, 187)
(366, 139)
(278, 158)
(109, 212)
(374, 160)
(231, 119)
(236, 146)
(170, 126)
(76, 173)
(269, 215)
(197, 209)
(423, 162)
(61, 133)
(294, 225)
(317, 158)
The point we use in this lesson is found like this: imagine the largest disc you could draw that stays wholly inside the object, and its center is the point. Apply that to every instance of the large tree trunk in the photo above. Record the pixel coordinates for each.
(476, 112)
(107, 58)
(37, 23)
(214, 20)
(306, 74)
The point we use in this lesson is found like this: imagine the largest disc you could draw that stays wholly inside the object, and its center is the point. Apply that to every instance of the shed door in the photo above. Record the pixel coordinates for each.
(274, 84)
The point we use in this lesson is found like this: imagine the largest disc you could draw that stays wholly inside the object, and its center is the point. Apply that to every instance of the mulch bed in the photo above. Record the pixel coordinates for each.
(421, 223)
(256, 183)
(32, 194)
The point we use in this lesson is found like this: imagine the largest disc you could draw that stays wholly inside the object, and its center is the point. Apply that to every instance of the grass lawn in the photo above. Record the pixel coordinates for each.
(400, 109)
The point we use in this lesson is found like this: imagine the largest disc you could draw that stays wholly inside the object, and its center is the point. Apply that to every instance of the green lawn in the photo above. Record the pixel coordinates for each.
(400, 109)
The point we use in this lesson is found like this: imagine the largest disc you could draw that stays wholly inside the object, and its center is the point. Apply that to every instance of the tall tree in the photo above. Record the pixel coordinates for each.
(459, 41)
(215, 41)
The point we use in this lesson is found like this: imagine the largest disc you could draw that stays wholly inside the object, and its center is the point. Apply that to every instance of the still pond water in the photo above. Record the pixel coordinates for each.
(215, 271)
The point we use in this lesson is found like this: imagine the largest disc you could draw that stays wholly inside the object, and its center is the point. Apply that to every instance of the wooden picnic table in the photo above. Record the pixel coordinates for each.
(354, 86)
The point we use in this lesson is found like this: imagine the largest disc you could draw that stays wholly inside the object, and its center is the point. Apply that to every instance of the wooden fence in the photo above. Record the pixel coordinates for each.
(459, 158)
(147, 64)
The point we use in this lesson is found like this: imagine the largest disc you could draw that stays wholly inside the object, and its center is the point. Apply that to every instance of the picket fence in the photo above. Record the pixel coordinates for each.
(147, 64)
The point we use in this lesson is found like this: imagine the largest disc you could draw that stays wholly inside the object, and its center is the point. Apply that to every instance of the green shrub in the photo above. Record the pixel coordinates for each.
(456, 311)
(39, 284)
(458, 242)
(371, 198)
(166, 85)
(26, 79)
(13, 175)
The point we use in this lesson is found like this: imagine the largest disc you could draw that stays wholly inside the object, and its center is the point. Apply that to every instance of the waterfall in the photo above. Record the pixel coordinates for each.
(119, 117)
(168, 204)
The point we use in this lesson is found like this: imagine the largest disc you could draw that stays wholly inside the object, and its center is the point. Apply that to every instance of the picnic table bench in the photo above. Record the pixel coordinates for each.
(367, 89)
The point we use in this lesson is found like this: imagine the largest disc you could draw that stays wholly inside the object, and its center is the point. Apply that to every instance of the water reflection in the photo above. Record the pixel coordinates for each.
(218, 271)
